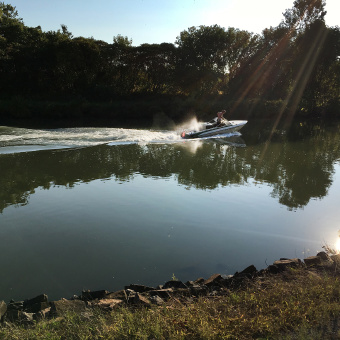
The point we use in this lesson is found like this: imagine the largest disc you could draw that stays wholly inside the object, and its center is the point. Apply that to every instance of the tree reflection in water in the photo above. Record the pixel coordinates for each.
(297, 163)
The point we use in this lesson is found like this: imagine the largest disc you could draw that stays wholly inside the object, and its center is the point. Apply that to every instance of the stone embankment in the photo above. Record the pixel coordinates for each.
(135, 295)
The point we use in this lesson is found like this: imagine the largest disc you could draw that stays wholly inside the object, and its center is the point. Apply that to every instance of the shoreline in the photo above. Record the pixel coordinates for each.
(142, 111)
(137, 295)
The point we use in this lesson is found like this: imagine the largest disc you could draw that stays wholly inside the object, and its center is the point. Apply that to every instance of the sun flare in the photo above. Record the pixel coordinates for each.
(337, 245)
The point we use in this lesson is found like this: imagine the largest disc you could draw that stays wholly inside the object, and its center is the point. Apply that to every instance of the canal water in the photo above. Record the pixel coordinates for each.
(100, 208)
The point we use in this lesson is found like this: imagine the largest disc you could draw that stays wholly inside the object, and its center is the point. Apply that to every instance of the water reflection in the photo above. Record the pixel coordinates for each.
(297, 163)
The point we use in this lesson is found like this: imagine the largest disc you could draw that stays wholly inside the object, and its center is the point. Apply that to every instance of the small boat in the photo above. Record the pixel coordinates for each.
(212, 128)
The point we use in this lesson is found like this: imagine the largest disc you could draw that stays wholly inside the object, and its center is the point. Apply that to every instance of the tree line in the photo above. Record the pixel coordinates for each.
(293, 67)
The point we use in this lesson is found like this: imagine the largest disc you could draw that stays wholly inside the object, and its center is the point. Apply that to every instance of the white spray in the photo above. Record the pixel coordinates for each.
(192, 124)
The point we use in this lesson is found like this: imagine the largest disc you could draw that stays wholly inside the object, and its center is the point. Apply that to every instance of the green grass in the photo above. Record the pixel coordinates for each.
(295, 305)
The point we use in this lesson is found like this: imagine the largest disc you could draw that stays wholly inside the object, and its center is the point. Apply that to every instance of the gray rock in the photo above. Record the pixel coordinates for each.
(215, 293)
(87, 295)
(284, 263)
(37, 299)
(140, 300)
(199, 281)
(12, 315)
(157, 300)
(181, 292)
(36, 304)
(249, 270)
(236, 281)
(43, 314)
(273, 269)
(213, 280)
(248, 273)
(198, 290)
(139, 288)
(324, 256)
(18, 305)
(37, 307)
(326, 260)
(26, 317)
(313, 261)
(59, 308)
(75, 297)
(165, 294)
(107, 304)
(120, 295)
(174, 284)
(19, 316)
(130, 293)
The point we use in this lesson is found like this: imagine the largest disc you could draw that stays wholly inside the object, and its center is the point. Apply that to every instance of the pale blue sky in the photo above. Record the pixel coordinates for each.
(155, 21)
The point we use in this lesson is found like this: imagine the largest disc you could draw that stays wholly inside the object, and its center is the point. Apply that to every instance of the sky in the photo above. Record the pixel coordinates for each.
(155, 21)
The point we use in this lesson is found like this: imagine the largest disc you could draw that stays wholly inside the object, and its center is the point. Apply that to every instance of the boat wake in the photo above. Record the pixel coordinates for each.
(13, 140)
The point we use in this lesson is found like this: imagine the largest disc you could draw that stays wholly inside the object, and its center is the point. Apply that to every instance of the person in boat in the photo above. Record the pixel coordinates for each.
(220, 117)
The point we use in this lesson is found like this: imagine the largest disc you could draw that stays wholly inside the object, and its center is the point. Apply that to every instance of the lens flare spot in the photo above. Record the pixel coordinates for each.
(337, 245)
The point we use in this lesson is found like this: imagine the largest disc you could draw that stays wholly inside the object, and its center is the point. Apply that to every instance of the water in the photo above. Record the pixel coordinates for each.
(100, 208)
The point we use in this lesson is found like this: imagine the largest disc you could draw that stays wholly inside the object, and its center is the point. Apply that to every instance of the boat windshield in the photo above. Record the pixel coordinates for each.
(225, 121)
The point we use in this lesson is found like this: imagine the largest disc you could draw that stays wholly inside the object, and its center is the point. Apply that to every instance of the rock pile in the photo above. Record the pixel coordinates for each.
(136, 295)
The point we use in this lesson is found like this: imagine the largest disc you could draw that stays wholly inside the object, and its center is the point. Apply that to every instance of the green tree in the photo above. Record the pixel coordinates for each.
(304, 13)
(264, 72)
(316, 66)
(18, 47)
(240, 45)
(155, 64)
(201, 58)
(123, 73)
(11, 26)
(295, 62)
(119, 40)
(208, 56)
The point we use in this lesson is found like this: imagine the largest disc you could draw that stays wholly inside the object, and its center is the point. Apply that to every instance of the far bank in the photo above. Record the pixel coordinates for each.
(146, 111)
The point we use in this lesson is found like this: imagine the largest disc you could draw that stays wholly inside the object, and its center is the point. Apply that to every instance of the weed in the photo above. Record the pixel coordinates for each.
(294, 305)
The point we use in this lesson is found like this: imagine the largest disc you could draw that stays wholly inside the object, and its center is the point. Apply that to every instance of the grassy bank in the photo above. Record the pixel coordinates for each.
(295, 304)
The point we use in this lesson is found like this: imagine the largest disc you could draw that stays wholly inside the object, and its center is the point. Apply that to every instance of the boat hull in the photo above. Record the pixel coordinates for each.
(234, 126)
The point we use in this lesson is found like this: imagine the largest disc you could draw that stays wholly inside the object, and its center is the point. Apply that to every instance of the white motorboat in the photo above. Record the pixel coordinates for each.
(212, 128)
